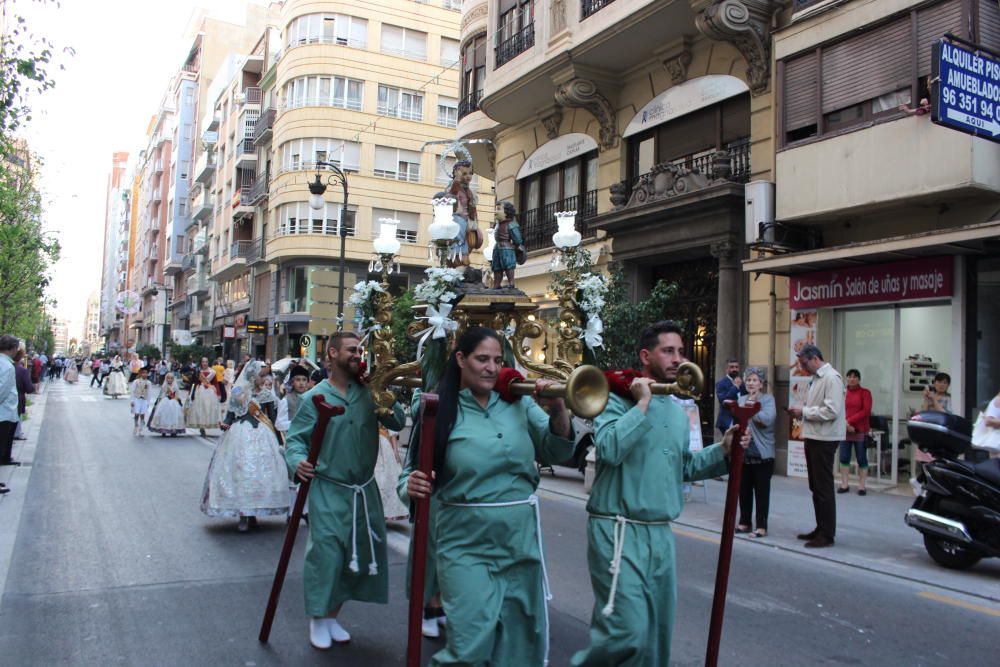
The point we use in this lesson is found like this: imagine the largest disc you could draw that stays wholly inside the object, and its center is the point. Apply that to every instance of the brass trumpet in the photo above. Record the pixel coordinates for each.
(689, 384)
(585, 391)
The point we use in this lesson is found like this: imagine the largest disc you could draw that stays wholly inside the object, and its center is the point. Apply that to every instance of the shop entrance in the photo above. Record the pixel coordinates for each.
(897, 349)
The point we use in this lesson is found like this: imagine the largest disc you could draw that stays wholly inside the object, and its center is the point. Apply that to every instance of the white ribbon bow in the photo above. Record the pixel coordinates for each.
(440, 325)
(592, 334)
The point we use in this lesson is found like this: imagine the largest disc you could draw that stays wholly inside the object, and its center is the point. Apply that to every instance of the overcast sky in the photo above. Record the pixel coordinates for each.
(125, 53)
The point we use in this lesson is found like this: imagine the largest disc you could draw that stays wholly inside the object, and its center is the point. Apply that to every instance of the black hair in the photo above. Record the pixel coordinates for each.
(508, 210)
(448, 388)
(942, 376)
(337, 338)
(732, 360)
(855, 372)
(460, 163)
(9, 343)
(299, 371)
(650, 336)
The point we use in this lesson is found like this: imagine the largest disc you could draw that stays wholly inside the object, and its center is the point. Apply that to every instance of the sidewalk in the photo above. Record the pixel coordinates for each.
(871, 534)
(16, 478)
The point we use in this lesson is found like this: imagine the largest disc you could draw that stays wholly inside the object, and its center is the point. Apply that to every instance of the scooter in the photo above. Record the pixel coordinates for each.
(958, 510)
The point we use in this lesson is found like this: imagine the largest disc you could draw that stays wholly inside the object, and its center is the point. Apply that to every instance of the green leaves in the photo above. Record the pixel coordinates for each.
(624, 320)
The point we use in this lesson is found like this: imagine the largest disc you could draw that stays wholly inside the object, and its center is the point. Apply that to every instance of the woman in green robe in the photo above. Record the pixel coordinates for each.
(489, 549)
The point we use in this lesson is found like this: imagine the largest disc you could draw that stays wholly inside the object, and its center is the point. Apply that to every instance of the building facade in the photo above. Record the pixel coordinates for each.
(116, 264)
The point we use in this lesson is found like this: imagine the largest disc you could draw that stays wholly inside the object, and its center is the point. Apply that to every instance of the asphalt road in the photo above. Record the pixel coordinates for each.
(115, 565)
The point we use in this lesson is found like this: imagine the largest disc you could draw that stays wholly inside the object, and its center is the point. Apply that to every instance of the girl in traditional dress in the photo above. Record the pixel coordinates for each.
(115, 385)
(167, 417)
(387, 469)
(72, 372)
(247, 477)
(140, 401)
(203, 406)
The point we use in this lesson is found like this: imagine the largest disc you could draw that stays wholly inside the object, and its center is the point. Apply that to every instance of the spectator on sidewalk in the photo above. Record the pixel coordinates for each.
(729, 388)
(24, 387)
(935, 399)
(8, 400)
(758, 464)
(858, 405)
(36, 369)
(823, 426)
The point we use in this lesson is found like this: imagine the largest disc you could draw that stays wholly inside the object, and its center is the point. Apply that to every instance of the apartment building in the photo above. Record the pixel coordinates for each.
(92, 323)
(646, 117)
(116, 264)
(884, 249)
(365, 86)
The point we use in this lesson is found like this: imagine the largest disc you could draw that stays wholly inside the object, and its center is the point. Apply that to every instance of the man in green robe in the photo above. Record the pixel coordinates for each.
(642, 462)
(345, 554)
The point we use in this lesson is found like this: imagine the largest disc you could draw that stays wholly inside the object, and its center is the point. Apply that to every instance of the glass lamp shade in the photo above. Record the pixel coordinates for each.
(386, 242)
(443, 228)
(566, 236)
(316, 202)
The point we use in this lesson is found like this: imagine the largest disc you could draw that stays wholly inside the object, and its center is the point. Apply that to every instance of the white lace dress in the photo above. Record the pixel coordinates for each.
(203, 406)
(167, 417)
(387, 469)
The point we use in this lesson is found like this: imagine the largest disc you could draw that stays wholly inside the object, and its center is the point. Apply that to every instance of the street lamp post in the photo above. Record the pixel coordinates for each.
(163, 337)
(316, 202)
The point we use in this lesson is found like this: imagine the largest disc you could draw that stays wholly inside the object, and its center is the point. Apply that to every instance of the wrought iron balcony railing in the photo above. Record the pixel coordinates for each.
(539, 224)
(517, 44)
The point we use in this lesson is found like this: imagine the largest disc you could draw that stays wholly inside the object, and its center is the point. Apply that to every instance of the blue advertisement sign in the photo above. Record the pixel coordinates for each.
(966, 82)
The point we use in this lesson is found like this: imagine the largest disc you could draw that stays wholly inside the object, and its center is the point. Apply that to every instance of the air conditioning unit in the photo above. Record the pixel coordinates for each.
(759, 201)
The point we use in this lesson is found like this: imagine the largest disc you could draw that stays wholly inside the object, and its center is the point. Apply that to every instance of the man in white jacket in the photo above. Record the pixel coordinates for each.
(824, 425)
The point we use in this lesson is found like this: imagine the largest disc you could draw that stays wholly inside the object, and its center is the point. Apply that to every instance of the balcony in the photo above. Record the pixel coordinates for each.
(158, 167)
(204, 168)
(200, 320)
(199, 246)
(517, 44)
(202, 206)
(198, 284)
(734, 167)
(235, 263)
(262, 128)
(258, 193)
(469, 103)
(188, 263)
(893, 165)
(257, 252)
(240, 249)
(242, 208)
(590, 7)
(246, 156)
(252, 95)
(539, 224)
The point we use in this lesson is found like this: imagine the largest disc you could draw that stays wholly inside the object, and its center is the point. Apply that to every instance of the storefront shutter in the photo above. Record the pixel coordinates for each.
(800, 91)
(687, 135)
(865, 66)
(735, 118)
(989, 24)
(932, 24)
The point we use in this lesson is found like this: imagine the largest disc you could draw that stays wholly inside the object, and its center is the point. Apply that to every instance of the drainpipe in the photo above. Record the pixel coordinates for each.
(772, 304)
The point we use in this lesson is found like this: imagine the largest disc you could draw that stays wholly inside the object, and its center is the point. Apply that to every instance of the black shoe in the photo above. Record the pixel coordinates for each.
(810, 535)
(862, 492)
(10, 462)
(843, 489)
(4, 490)
(819, 542)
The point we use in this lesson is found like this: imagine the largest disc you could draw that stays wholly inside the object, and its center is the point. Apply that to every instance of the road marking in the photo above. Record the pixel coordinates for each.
(695, 536)
(955, 602)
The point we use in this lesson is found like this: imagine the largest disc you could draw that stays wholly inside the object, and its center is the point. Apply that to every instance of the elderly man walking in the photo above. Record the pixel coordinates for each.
(8, 400)
(824, 423)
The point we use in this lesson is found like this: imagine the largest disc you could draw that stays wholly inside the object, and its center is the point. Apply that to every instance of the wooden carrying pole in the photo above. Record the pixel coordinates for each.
(425, 464)
(741, 416)
(325, 412)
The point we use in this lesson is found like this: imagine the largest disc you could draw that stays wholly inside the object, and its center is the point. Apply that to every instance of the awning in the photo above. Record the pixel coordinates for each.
(967, 240)
(683, 99)
(560, 149)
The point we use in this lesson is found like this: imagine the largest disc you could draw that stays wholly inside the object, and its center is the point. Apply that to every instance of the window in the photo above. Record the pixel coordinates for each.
(568, 186)
(344, 154)
(692, 140)
(473, 74)
(324, 91)
(397, 103)
(447, 111)
(299, 218)
(297, 290)
(865, 77)
(408, 223)
(404, 42)
(327, 29)
(397, 163)
(449, 52)
(515, 30)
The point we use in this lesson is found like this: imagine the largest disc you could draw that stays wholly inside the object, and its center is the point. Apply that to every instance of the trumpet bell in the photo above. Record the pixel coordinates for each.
(587, 392)
(690, 380)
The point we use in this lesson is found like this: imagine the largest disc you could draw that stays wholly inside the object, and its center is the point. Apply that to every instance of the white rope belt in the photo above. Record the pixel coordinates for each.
(359, 490)
(533, 501)
(617, 550)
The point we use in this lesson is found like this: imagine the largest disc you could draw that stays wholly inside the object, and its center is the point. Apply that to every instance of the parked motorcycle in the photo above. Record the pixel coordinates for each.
(958, 510)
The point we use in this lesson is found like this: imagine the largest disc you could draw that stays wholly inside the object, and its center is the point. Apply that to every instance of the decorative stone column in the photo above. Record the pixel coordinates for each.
(729, 313)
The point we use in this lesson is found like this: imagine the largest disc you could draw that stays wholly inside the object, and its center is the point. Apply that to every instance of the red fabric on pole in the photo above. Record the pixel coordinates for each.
(425, 464)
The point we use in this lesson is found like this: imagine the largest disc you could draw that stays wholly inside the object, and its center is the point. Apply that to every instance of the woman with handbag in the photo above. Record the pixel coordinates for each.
(758, 464)
(858, 405)
(986, 433)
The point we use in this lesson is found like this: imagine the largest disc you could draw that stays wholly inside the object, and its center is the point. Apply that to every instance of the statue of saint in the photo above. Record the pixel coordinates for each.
(469, 236)
(509, 249)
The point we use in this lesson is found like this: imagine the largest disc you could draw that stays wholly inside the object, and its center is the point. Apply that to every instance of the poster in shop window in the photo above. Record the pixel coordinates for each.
(803, 332)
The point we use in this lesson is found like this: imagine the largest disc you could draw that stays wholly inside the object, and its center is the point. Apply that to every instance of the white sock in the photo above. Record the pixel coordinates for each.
(337, 631)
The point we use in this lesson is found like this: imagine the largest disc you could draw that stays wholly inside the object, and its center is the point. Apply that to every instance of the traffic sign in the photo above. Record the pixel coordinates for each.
(967, 91)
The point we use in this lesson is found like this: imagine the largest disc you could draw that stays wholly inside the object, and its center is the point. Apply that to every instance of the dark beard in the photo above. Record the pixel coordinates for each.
(734, 374)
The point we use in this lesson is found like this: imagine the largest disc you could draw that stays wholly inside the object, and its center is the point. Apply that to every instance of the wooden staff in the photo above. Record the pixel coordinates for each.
(422, 508)
(742, 415)
(325, 412)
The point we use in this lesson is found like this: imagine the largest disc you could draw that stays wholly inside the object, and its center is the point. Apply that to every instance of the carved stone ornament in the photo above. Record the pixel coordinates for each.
(558, 19)
(583, 93)
(746, 24)
(552, 120)
(724, 249)
(664, 181)
(480, 11)
(618, 194)
(676, 59)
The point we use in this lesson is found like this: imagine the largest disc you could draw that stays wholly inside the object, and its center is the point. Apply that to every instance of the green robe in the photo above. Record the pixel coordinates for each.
(350, 449)
(489, 563)
(642, 464)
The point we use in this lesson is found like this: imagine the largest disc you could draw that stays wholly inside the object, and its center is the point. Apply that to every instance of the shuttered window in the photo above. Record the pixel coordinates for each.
(801, 86)
(866, 66)
(932, 24)
(988, 29)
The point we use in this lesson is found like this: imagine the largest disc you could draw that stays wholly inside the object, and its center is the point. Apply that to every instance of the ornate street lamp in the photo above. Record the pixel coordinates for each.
(316, 202)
